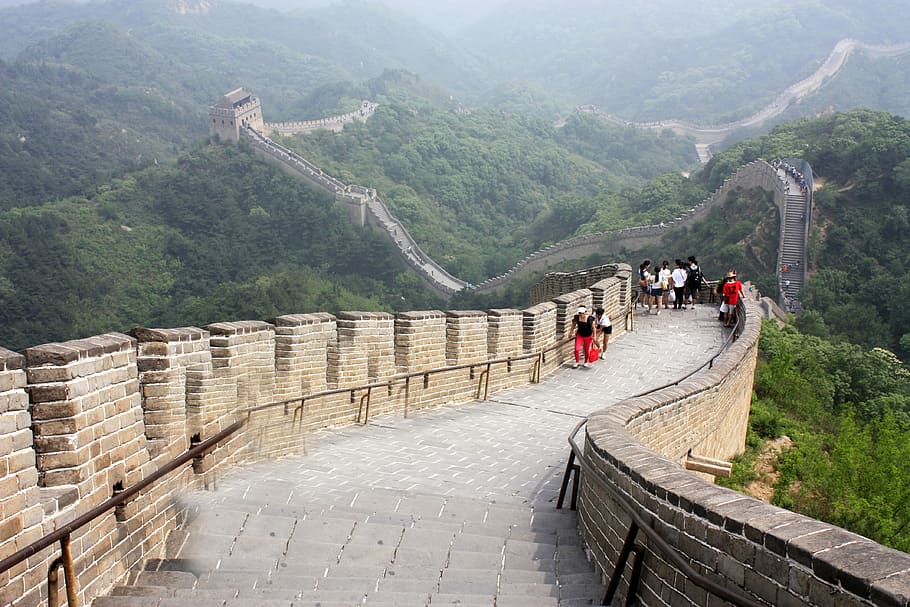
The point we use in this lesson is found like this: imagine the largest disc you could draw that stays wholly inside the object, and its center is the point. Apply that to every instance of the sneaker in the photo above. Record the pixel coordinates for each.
(684, 307)
(585, 365)
(658, 313)
(575, 366)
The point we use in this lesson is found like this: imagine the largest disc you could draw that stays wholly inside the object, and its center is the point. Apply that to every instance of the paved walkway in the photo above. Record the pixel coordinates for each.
(453, 506)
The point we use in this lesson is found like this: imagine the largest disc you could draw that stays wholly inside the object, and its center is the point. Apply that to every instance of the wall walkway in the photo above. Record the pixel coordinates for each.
(775, 556)
(365, 207)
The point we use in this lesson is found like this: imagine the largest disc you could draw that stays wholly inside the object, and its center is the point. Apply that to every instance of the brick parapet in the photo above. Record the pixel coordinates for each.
(302, 342)
(777, 556)
(538, 324)
(466, 336)
(504, 333)
(420, 340)
(107, 410)
(89, 438)
(365, 349)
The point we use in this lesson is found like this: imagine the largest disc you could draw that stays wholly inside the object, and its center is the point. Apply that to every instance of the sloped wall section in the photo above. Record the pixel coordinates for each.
(775, 556)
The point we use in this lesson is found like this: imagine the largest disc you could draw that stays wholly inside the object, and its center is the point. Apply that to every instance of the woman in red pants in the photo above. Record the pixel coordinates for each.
(584, 334)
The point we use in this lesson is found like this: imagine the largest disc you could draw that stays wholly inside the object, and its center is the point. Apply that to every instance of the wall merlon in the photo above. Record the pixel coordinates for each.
(11, 361)
(302, 320)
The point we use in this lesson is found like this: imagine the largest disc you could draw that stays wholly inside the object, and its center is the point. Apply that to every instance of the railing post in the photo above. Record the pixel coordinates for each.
(69, 573)
(627, 549)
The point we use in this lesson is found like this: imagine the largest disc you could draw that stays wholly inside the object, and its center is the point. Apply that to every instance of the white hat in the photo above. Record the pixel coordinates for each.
(582, 309)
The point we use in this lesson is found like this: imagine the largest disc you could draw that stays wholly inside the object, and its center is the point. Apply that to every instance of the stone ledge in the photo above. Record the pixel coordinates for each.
(302, 320)
(239, 327)
(63, 353)
(349, 316)
(11, 361)
(144, 335)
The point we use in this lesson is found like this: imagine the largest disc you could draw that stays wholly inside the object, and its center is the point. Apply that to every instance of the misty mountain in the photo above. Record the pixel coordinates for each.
(283, 54)
(705, 61)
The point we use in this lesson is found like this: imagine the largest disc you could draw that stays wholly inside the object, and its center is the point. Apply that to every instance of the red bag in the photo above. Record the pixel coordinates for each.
(593, 354)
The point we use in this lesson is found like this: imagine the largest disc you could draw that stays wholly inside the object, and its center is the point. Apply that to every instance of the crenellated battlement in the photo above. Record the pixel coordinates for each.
(84, 419)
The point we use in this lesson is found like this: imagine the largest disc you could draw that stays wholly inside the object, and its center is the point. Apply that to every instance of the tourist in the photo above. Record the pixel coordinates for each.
(693, 280)
(732, 290)
(665, 273)
(644, 278)
(679, 285)
(584, 334)
(656, 291)
(604, 328)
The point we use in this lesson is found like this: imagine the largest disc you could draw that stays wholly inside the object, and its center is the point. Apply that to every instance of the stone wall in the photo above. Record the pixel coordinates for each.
(637, 448)
(84, 419)
(756, 174)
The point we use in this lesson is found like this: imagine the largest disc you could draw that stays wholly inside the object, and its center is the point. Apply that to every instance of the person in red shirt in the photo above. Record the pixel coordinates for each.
(732, 290)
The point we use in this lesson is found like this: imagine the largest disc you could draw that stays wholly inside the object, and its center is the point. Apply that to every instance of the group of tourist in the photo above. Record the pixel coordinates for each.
(590, 333)
(663, 286)
(791, 170)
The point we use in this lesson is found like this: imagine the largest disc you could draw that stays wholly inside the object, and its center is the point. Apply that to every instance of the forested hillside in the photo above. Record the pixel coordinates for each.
(828, 434)
(218, 236)
(483, 189)
(860, 247)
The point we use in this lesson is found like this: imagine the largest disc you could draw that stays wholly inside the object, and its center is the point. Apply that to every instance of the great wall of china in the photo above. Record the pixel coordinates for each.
(83, 421)
(708, 135)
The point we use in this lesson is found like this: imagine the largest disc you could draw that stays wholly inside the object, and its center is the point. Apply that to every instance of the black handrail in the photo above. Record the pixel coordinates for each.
(117, 500)
(407, 376)
(124, 496)
(638, 522)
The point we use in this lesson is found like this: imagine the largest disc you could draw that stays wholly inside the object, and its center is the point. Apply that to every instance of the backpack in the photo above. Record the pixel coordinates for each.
(694, 276)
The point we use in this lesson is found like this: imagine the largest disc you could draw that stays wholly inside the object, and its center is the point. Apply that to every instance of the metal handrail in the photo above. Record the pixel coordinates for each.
(406, 377)
(63, 533)
(638, 522)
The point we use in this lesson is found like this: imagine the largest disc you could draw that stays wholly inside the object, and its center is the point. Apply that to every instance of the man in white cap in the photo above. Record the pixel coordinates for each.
(584, 334)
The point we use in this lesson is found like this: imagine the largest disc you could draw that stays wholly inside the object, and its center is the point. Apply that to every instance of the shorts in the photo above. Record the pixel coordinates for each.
(657, 292)
(608, 330)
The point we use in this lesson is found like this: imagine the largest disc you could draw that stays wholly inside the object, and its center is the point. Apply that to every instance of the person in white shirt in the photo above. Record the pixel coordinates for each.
(679, 277)
(604, 327)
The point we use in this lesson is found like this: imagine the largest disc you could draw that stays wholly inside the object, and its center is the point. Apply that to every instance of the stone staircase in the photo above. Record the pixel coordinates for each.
(385, 548)
(793, 247)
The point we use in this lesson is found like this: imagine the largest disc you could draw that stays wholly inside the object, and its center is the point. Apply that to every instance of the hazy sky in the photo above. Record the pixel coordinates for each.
(444, 15)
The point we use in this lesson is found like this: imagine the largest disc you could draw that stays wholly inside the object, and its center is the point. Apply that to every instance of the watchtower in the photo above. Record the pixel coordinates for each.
(234, 110)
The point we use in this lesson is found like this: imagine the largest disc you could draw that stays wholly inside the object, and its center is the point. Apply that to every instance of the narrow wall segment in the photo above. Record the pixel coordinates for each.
(302, 342)
(466, 337)
(638, 445)
(420, 341)
(777, 556)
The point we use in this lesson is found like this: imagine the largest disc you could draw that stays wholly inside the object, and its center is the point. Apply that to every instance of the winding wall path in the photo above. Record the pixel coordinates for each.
(707, 135)
(367, 208)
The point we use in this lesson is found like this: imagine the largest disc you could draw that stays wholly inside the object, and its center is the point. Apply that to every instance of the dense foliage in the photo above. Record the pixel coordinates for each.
(860, 247)
(480, 190)
(847, 411)
(220, 236)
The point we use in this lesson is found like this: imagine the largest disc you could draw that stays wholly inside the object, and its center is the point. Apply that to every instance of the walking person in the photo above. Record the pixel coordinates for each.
(732, 291)
(656, 291)
(584, 334)
(678, 277)
(603, 327)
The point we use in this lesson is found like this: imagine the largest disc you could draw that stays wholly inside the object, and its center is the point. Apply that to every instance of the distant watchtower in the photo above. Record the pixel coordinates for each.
(236, 109)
